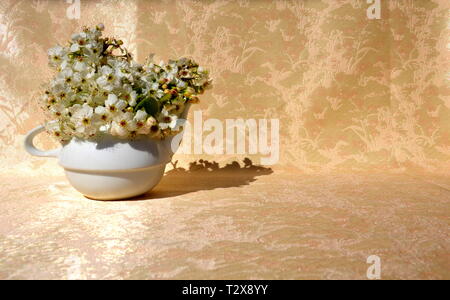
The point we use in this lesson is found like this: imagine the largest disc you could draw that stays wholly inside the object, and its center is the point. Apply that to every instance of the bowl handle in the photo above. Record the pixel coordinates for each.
(30, 148)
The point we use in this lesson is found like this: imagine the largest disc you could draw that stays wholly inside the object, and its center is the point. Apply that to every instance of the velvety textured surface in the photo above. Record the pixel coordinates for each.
(229, 223)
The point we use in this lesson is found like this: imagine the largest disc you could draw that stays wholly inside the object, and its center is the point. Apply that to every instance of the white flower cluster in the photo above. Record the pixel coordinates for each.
(100, 89)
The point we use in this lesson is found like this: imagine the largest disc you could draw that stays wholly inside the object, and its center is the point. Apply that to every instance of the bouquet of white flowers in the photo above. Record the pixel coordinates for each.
(99, 88)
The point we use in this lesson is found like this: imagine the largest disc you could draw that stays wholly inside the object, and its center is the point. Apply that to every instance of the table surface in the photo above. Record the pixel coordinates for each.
(234, 222)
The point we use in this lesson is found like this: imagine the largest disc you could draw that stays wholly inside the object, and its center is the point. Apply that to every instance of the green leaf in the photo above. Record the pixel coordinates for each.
(165, 98)
(150, 105)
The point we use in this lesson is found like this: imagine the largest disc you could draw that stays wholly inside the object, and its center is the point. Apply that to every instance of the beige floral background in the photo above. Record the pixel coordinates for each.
(350, 92)
(368, 100)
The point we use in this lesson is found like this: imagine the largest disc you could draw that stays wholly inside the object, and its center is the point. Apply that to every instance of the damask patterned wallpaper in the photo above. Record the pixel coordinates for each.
(350, 92)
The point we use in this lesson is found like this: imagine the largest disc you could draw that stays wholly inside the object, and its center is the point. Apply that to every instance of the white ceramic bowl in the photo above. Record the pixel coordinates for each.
(109, 168)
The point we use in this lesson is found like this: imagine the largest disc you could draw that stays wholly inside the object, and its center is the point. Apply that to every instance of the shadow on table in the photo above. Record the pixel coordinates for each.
(205, 175)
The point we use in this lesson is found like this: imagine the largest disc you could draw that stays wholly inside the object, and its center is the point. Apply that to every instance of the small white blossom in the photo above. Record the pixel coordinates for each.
(167, 120)
(80, 66)
(123, 124)
(82, 117)
(66, 76)
(56, 55)
(59, 110)
(108, 80)
(102, 114)
(140, 121)
(114, 104)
